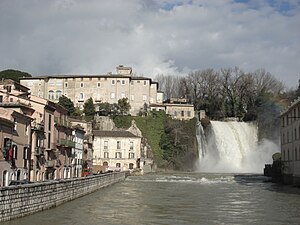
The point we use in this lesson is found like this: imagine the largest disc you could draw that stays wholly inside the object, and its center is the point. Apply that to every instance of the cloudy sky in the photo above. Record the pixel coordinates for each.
(45, 37)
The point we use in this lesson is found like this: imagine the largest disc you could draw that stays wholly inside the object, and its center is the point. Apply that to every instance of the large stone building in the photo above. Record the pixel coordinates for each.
(101, 88)
(290, 142)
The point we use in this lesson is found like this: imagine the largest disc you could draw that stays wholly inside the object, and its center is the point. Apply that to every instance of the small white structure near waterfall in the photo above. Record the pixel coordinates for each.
(232, 147)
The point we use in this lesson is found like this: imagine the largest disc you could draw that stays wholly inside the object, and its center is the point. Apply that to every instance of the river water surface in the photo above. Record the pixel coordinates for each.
(179, 198)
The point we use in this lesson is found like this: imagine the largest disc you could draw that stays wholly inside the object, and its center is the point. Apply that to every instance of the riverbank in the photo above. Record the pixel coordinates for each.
(21, 200)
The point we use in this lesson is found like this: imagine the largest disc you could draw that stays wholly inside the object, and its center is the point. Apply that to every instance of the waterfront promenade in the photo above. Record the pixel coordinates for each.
(21, 200)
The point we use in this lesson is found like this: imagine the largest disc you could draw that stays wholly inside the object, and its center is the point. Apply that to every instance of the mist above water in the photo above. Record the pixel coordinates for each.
(233, 147)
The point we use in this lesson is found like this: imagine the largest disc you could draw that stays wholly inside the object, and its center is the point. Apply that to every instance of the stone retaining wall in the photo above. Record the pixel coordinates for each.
(22, 200)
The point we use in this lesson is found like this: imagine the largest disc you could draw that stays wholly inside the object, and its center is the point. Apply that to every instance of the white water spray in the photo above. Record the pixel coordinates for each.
(232, 147)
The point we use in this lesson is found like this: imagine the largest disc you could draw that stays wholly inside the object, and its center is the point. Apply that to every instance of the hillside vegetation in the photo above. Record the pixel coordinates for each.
(173, 142)
(13, 74)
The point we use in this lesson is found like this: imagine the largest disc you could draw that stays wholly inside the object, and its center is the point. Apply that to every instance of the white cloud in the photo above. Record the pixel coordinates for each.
(171, 37)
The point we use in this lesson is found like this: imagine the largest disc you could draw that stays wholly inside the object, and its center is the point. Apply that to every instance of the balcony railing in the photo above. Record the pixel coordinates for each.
(67, 143)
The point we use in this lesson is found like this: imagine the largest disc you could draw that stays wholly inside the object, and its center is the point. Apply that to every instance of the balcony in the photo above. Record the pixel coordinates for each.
(67, 143)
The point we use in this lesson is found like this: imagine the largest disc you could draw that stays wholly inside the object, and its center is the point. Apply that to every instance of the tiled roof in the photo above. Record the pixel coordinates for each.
(109, 133)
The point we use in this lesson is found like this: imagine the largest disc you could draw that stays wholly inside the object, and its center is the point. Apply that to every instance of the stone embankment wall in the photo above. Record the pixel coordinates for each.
(22, 200)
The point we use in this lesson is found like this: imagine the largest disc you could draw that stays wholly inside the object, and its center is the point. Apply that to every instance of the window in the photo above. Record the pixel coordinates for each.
(182, 113)
(8, 88)
(106, 155)
(105, 144)
(131, 155)
(81, 78)
(66, 85)
(1, 98)
(112, 95)
(49, 140)
(131, 166)
(98, 78)
(189, 113)
(49, 124)
(296, 157)
(132, 82)
(118, 155)
(11, 99)
(123, 82)
(118, 144)
(113, 82)
(5, 178)
(51, 95)
(15, 152)
(131, 145)
(81, 96)
(98, 84)
(145, 82)
(58, 94)
(118, 165)
(15, 124)
(81, 85)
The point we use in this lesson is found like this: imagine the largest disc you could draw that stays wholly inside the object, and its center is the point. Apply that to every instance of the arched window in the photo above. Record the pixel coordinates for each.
(130, 165)
(50, 95)
(37, 176)
(5, 178)
(105, 164)
(19, 175)
(58, 94)
(118, 165)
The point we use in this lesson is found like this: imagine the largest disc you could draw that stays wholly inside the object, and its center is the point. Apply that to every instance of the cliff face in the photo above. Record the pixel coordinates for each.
(173, 143)
(179, 144)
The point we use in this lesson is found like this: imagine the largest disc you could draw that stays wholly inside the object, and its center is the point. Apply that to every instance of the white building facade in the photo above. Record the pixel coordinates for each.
(290, 143)
(117, 150)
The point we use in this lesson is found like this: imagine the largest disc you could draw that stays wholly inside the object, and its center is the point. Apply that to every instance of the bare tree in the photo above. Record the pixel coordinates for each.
(266, 82)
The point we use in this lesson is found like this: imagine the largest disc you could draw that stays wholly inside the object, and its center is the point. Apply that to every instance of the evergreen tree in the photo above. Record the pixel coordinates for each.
(67, 104)
(89, 109)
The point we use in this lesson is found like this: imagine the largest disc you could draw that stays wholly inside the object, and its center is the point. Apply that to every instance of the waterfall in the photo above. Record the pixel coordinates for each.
(232, 147)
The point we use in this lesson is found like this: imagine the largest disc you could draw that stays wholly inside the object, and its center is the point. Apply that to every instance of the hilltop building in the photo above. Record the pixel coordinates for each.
(101, 88)
(290, 142)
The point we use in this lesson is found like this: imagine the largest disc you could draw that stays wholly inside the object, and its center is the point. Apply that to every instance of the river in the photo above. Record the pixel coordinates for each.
(179, 198)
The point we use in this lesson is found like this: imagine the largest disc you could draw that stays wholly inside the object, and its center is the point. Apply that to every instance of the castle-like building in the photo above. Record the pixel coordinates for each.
(101, 88)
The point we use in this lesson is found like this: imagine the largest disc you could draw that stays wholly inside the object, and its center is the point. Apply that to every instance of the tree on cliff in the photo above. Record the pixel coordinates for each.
(89, 109)
(124, 106)
(13, 74)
